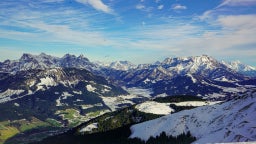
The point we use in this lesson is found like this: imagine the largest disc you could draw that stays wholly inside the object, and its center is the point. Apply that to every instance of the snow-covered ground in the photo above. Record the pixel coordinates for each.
(47, 81)
(90, 88)
(155, 108)
(89, 127)
(114, 102)
(10, 92)
(232, 121)
(140, 92)
(6, 95)
(196, 103)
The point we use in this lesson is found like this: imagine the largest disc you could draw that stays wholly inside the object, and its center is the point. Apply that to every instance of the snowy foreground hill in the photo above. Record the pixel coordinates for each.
(232, 121)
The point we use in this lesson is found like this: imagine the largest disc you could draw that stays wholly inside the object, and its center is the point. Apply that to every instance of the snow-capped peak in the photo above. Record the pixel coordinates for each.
(238, 66)
(241, 68)
(122, 65)
(195, 64)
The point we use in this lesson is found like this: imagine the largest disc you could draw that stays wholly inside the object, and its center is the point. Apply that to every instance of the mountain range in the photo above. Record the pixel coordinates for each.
(195, 75)
(48, 94)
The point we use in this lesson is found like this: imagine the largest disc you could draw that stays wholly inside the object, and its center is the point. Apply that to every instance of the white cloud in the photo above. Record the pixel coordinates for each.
(98, 5)
(238, 22)
(140, 6)
(178, 7)
(57, 33)
(234, 37)
(157, 1)
(160, 7)
(237, 3)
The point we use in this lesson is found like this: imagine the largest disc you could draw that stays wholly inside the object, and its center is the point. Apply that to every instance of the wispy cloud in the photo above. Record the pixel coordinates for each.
(98, 5)
(178, 7)
(245, 22)
(237, 3)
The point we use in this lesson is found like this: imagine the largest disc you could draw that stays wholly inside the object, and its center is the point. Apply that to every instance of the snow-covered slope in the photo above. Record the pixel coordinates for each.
(241, 68)
(232, 121)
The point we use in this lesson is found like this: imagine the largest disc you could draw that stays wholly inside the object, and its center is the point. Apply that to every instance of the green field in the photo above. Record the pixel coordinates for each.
(9, 129)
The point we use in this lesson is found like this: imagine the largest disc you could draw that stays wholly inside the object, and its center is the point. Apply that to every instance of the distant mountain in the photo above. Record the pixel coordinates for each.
(43, 61)
(122, 65)
(241, 68)
(196, 75)
(232, 121)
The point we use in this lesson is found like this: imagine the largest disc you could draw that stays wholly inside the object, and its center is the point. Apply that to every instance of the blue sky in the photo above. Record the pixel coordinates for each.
(141, 31)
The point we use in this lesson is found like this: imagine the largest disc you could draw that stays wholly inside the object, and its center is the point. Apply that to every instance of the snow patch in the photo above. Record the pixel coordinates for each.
(196, 103)
(58, 103)
(140, 92)
(90, 106)
(223, 78)
(48, 81)
(16, 104)
(89, 128)
(77, 92)
(65, 95)
(90, 88)
(32, 83)
(155, 108)
(192, 78)
(10, 92)
(162, 95)
(146, 81)
(235, 90)
(114, 102)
